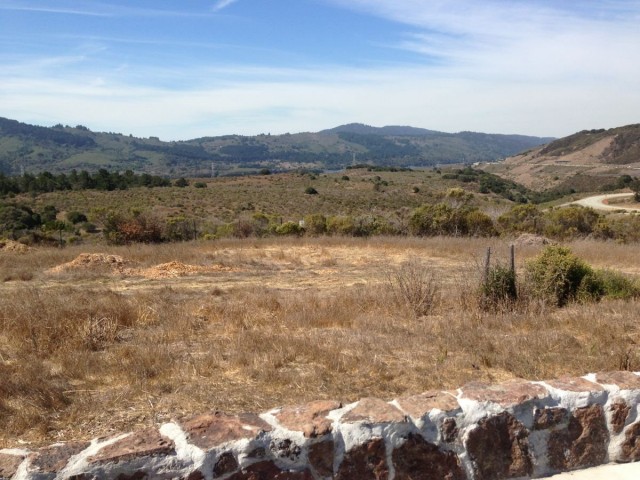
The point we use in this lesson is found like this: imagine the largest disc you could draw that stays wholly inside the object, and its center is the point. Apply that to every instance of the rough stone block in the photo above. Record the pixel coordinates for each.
(575, 384)
(310, 418)
(506, 394)
(211, 430)
(269, 471)
(367, 461)
(55, 458)
(582, 443)
(321, 456)
(418, 459)
(623, 380)
(630, 450)
(546, 418)
(225, 464)
(619, 414)
(9, 464)
(499, 448)
(417, 406)
(374, 410)
(145, 443)
(449, 430)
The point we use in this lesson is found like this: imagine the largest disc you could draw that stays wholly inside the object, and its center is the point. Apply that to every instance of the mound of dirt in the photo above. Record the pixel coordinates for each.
(92, 261)
(170, 270)
(14, 247)
(531, 240)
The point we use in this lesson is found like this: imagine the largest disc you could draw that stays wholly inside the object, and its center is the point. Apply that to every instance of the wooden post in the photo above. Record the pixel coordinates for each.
(513, 258)
(487, 264)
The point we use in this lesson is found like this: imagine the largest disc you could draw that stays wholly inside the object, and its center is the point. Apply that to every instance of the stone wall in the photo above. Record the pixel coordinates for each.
(517, 429)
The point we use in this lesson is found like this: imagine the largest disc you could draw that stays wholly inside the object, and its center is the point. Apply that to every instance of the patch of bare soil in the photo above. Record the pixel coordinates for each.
(13, 247)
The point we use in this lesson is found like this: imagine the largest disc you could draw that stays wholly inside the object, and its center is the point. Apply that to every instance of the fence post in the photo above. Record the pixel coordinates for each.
(487, 262)
(513, 258)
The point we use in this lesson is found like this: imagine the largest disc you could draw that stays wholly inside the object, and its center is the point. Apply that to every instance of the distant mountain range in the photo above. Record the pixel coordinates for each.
(62, 148)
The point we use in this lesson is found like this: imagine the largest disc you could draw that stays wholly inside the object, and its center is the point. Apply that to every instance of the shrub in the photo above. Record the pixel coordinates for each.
(310, 191)
(556, 276)
(498, 287)
(290, 228)
(200, 185)
(415, 287)
(181, 182)
(617, 285)
(315, 224)
(76, 217)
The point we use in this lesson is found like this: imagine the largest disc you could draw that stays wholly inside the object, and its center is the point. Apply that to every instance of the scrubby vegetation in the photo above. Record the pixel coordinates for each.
(147, 333)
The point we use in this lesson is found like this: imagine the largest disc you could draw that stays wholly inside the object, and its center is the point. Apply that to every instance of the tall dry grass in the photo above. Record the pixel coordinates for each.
(84, 355)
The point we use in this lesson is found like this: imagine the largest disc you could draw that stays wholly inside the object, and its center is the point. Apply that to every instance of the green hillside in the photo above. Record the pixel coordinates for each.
(61, 148)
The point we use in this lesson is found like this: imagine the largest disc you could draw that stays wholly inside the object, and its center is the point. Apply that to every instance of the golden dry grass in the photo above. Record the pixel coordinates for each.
(261, 323)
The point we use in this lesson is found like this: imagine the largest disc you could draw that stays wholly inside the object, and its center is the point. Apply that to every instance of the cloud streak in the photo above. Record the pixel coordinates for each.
(221, 4)
(532, 67)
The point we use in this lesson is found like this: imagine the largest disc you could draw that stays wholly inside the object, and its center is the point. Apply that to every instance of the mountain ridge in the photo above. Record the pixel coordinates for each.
(62, 148)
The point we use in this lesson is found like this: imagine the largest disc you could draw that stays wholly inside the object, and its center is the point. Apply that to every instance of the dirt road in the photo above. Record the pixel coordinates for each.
(599, 202)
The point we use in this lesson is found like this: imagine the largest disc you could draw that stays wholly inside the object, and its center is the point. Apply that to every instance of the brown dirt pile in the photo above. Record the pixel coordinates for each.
(92, 261)
(13, 247)
(531, 240)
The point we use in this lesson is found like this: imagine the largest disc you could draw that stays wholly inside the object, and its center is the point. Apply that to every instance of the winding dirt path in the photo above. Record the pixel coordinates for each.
(599, 202)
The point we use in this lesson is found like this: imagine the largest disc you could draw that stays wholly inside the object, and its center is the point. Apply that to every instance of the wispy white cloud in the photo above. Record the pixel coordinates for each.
(220, 4)
(96, 9)
(534, 67)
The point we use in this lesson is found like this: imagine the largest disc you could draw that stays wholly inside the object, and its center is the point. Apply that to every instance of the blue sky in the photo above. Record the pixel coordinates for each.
(182, 70)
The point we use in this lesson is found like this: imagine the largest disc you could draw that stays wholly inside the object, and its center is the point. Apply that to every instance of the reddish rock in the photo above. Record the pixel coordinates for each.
(195, 475)
(133, 476)
(449, 430)
(269, 471)
(506, 394)
(619, 413)
(417, 406)
(226, 463)
(418, 459)
(367, 461)
(310, 418)
(374, 410)
(630, 450)
(321, 457)
(499, 448)
(623, 380)
(55, 458)
(144, 443)
(575, 384)
(9, 464)
(546, 418)
(211, 430)
(583, 443)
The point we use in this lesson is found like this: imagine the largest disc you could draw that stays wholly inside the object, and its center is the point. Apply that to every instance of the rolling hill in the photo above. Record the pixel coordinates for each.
(583, 161)
(61, 148)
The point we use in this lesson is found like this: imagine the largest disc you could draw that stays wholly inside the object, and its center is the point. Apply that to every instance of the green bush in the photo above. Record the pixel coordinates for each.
(315, 224)
(617, 285)
(556, 276)
(498, 287)
(290, 228)
(76, 217)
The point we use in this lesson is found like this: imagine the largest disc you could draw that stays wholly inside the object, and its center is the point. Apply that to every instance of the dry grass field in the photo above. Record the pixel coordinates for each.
(97, 339)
